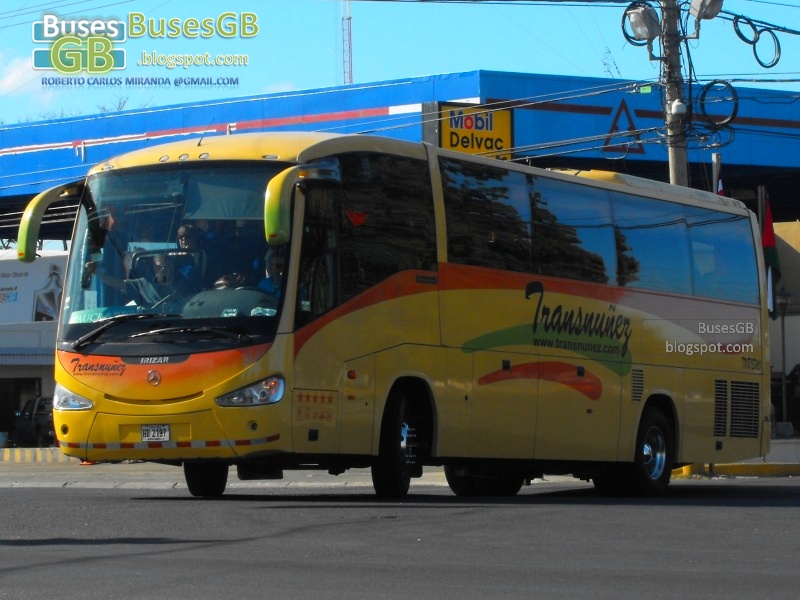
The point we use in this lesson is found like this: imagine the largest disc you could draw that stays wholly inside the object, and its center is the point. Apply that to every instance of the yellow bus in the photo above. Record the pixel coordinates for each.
(310, 301)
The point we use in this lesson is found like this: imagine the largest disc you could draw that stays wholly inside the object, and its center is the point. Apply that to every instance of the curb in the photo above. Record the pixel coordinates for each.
(738, 470)
(35, 455)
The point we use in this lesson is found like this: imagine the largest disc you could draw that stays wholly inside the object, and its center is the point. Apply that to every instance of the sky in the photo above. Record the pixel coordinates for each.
(294, 45)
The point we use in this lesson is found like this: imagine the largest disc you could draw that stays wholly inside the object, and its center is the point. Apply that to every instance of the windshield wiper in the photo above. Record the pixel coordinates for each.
(112, 322)
(215, 331)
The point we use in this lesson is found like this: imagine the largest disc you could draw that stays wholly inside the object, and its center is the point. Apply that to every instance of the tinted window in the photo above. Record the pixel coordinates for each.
(386, 216)
(504, 219)
(488, 216)
(723, 256)
(573, 231)
(378, 222)
(655, 247)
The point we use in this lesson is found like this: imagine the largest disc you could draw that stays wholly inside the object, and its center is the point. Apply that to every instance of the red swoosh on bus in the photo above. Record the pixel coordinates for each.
(588, 384)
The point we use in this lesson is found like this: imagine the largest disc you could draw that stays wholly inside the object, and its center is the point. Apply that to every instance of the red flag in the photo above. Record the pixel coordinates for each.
(770, 250)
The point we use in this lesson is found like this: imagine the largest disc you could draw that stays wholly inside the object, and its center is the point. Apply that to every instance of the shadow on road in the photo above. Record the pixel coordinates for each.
(712, 493)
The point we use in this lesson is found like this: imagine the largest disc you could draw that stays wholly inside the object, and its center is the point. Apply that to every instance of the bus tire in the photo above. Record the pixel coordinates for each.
(465, 484)
(651, 470)
(655, 449)
(396, 460)
(461, 483)
(206, 480)
(500, 485)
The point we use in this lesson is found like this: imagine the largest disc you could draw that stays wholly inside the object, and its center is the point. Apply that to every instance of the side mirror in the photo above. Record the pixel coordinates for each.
(31, 222)
(278, 197)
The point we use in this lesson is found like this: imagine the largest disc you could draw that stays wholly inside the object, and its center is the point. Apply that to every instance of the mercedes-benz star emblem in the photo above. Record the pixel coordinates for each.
(153, 377)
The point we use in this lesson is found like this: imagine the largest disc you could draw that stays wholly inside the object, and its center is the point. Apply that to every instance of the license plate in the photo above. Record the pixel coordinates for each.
(155, 433)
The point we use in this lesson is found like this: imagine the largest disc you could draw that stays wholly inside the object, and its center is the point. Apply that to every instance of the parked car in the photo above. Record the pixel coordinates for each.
(33, 425)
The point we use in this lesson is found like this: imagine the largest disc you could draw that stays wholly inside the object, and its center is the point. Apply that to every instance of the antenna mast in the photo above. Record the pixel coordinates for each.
(347, 43)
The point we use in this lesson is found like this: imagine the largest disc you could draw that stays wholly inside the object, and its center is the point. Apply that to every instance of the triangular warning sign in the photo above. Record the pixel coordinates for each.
(614, 138)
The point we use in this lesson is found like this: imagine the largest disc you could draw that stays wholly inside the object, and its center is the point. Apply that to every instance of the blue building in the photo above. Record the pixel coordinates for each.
(545, 120)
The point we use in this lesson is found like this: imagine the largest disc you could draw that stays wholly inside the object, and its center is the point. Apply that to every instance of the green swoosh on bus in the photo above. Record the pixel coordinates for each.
(606, 352)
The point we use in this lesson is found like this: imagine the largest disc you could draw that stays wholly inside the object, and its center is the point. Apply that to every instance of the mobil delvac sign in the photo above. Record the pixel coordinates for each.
(476, 130)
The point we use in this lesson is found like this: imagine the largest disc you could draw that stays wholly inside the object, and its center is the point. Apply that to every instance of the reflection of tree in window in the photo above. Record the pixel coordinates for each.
(386, 217)
(656, 234)
(557, 247)
(378, 222)
(627, 265)
(484, 227)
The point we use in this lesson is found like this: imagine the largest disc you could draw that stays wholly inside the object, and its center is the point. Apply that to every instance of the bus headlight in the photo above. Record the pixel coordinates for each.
(268, 391)
(63, 399)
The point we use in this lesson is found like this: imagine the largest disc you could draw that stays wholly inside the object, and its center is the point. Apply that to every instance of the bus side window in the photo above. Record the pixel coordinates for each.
(573, 231)
(488, 216)
(378, 222)
(655, 240)
(724, 265)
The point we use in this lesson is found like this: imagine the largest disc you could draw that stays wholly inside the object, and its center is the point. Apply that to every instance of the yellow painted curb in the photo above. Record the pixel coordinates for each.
(34, 455)
(757, 469)
(738, 470)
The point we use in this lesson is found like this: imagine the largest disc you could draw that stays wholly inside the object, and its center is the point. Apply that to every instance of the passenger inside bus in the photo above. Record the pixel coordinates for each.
(275, 263)
(193, 267)
(156, 278)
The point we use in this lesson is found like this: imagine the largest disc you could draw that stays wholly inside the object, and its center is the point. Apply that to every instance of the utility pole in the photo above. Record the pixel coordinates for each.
(674, 106)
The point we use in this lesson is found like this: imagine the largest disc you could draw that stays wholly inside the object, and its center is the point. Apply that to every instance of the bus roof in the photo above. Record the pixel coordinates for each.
(293, 147)
(650, 185)
(302, 147)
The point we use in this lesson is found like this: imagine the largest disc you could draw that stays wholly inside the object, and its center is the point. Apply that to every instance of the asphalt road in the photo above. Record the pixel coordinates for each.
(143, 536)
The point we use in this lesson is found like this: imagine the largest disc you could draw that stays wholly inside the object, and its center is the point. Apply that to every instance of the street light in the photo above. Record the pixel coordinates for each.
(645, 27)
(782, 299)
(705, 9)
(644, 22)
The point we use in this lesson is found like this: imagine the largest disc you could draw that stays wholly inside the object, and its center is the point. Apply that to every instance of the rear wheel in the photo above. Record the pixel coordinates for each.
(505, 485)
(461, 482)
(651, 470)
(397, 455)
(652, 465)
(206, 480)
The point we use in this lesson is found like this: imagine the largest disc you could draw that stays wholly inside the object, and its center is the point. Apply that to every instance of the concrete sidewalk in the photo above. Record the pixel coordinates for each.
(783, 460)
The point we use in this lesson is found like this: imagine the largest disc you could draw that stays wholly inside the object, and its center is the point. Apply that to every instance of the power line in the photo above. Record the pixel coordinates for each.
(8, 15)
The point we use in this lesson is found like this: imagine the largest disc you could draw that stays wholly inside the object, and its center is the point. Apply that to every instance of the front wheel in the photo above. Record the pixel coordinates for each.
(397, 456)
(206, 480)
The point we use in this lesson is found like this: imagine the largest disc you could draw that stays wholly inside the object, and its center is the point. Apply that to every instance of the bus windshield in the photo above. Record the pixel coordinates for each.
(183, 245)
